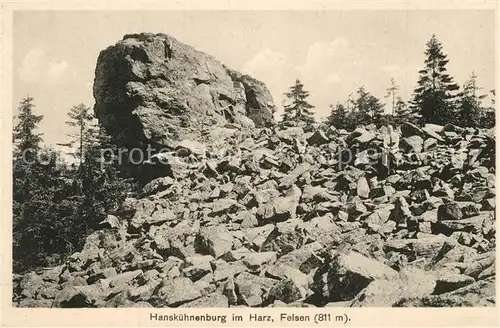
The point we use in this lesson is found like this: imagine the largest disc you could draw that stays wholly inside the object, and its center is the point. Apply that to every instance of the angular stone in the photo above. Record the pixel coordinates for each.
(449, 282)
(223, 206)
(205, 285)
(174, 240)
(281, 208)
(420, 247)
(261, 197)
(121, 279)
(488, 204)
(481, 263)
(197, 267)
(217, 240)
(248, 220)
(111, 221)
(229, 290)
(323, 229)
(214, 300)
(249, 294)
(363, 189)
(345, 275)
(263, 282)
(387, 227)
(381, 191)
(143, 292)
(187, 147)
(389, 292)
(174, 292)
(360, 136)
(478, 294)
(31, 283)
(79, 297)
(287, 291)
(157, 185)
(469, 209)
(235, 255)
(318, 138)
(288, 180)
(151, 213)
(286, 237)
(356, 208)
(223, 269)
(430, 143)
(106, 273)
(431, 131)
(31, 303)
(472, 224)
(488, 272)
(450, 211)
(401, 211)
(311, 193)
(283, 271)
(256, 260)
(304, 259)
(412, 144)
(258, 235)
(251, 288)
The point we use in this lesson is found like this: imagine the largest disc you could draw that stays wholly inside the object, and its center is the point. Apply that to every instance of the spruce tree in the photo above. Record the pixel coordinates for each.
(469, 108)
(338, 115)
(435, 94)
(26, 139)
(391, 93)
(367, 108)
(26, 148)
(488, 115)
(81, 119)
(103, 187)
(402, 112)
(299, 110)
(37, 225)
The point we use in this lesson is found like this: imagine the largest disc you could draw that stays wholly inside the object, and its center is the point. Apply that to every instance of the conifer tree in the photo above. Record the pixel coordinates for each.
(488, 116)
(338, 115)
(81, 118)
(103, 188)
(37, 227)
(469, 108)
(26, 139)
(367, 107)
(299, 110)
(402, 112)
(435, 94)
(391, 93)
(26, 148)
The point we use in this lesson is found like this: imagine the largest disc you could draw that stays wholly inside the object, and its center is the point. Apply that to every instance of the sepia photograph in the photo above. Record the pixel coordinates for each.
(253, 159)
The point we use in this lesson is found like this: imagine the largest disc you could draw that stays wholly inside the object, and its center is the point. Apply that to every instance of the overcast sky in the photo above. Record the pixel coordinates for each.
(332, 52)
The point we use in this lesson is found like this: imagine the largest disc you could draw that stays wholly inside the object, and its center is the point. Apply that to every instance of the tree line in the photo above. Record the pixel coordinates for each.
(57, 204)
(437, 99)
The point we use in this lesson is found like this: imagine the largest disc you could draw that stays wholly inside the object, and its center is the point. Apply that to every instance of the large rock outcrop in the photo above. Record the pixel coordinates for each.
(153, 89)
